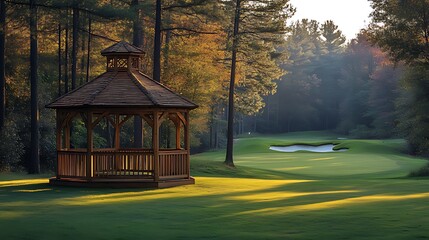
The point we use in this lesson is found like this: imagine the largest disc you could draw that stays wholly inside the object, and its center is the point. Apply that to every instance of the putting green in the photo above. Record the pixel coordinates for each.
(360, 194)
(364, 158)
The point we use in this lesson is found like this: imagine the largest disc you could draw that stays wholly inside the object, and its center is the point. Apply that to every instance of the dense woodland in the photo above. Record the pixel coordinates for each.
(280, 76)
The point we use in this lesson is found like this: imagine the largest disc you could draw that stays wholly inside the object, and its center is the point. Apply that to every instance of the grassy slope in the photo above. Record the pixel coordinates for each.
(358, 194)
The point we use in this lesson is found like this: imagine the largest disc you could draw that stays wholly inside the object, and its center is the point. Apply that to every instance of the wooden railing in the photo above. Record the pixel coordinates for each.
(130, 163)
(123, 163)
(71, 163)
(173, 164)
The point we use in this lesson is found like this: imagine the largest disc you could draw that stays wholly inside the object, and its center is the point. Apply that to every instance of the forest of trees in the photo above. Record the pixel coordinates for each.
(285, 77)
(347, 87)
(375, 86)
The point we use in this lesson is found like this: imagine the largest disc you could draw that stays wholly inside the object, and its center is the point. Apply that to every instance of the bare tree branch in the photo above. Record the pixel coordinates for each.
(61, 6)
(97, 35)
(188, 29)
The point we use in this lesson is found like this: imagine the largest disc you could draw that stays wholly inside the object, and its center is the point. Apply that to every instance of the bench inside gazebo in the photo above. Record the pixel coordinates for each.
(123, 129)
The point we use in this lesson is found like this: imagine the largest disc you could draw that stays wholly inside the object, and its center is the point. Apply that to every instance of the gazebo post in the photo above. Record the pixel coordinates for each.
(117, 141)
(89, 143)
(187, 143)
(155, 144)
(142, 131)
(59, 143)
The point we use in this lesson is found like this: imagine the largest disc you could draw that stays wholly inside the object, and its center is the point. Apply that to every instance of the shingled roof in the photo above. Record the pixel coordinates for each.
(122, 89)
(130, 88)
(122, 47)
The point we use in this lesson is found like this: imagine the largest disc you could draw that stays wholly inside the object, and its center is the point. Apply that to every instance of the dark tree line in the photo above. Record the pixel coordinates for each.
(237, 59)
(170, 32)
(54, 9)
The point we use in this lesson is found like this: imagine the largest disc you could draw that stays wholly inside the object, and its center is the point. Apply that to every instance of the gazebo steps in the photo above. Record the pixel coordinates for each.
(119, 183)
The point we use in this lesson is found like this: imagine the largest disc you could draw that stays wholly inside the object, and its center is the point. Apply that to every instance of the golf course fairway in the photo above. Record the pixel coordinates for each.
(363, 193)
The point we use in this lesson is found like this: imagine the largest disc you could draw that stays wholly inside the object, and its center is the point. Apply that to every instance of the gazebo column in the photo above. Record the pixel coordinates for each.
(155, 144)
(60, 117)
(90, 145)
(117, 141)
(187, 143)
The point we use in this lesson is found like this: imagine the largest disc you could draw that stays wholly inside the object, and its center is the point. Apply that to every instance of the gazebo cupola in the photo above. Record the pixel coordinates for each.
(123, 129)
(123, 57)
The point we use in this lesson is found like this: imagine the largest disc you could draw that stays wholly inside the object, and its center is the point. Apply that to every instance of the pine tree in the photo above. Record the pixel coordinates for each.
(75, 36)
(35, 148)
(258, 27)
(329, 72)
(2, 64)
(137, 41)
(333, 39)
(157, 42)
(230, 131)
(401, 27)
(300, 85)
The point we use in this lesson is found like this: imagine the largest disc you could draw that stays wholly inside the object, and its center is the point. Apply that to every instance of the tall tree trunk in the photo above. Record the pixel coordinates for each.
(35, 161)
(74, 45)
(157, 44)
(137, 24)
(66, 56)
(82, 59)
(59, 59)
(230, 132)
(2, 63)
(167, 41)
(167, 49)
(88, 50)
(137, 41)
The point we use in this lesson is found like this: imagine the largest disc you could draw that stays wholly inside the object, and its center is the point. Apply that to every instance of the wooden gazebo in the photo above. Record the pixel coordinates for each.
(92, 147)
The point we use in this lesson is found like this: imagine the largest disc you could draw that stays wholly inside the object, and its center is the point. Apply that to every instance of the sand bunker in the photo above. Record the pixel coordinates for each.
(295, 148)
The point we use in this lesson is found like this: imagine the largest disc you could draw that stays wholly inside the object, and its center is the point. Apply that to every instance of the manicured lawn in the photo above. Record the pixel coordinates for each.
(360, 194)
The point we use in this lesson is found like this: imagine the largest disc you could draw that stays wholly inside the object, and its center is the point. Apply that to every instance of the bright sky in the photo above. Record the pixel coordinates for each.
(349, 15)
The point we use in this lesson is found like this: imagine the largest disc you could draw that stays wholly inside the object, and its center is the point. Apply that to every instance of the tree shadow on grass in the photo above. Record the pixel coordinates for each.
(251, 208)
(275, 193)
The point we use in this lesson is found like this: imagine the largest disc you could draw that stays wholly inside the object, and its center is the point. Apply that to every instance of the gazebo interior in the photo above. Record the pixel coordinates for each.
(123, 129)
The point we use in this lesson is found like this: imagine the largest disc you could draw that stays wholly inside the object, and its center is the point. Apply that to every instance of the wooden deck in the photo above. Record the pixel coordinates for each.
(122, 168)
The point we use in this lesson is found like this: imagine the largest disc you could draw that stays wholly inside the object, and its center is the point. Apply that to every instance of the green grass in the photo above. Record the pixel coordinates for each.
(360, 194)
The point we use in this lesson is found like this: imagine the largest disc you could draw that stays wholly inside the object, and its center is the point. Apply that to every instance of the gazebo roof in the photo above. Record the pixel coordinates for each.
(122, 89)
(119, 88)
(122, 47)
